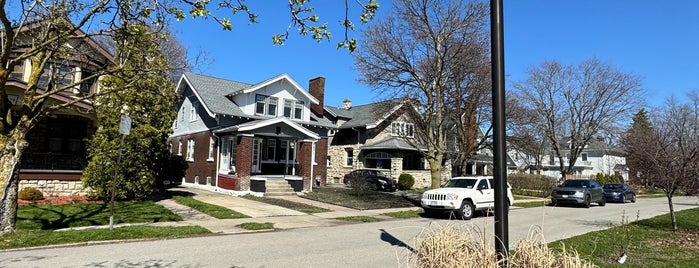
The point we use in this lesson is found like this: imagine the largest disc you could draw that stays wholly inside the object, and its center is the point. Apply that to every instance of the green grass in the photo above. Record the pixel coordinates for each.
(33, 238)
(305, 208)
(406, 214)
(368, 200)
(523, 197)
(648, 243)
(209, 209)
(51, 217)
(532, 204)
(359, 219)
(256, 225)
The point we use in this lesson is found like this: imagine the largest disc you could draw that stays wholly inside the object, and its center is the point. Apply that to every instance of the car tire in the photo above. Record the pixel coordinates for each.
(623, 198)
(374, 187)
(553, 202)
(633, 198)
(466, 210)
(587, 201)
(603, 202)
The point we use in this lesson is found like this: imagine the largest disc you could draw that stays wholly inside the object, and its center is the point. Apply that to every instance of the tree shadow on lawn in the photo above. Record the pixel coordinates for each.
(51, 217)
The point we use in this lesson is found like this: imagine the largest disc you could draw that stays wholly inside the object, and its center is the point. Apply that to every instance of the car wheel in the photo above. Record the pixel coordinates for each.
(374, 187)
(587, 202)
(603, 202)
(466, 211)
(633, 198)
(553, 202)
(623, 198)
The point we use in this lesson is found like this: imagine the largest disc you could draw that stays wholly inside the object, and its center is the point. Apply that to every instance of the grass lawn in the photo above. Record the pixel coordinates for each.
(368, 200)
(407, 214)
(256, 225)
(359, 219)
(647, 243)
(288, 204)
(37, 225)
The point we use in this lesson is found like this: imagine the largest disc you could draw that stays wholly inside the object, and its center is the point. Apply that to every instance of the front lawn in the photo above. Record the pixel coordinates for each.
(288, 204)
(219, 212)
(367, 200)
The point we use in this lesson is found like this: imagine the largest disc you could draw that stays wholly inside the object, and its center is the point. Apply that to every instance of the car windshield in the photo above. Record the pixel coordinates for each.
(613, 186)
(576, 183)
(376, 173)
(460, 183)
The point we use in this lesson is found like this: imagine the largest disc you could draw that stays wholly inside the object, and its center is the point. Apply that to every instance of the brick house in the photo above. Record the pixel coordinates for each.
(246, 137)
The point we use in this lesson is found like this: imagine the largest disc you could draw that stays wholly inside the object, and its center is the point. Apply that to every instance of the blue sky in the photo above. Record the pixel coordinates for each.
(655, 40)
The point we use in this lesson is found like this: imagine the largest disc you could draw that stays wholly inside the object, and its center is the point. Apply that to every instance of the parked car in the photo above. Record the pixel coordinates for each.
(619, 192)
(463, 196)
(376, 179)
(579, 191)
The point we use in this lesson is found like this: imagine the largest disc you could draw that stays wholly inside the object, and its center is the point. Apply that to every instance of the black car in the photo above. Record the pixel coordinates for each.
(375, 179)
(619, 192)
(579, 191)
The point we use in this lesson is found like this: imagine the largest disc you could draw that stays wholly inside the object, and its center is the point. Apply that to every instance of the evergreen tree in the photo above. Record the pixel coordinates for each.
(150, 105)
(636, 141)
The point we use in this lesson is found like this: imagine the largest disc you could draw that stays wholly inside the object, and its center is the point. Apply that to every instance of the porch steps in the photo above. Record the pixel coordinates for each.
(278, 188)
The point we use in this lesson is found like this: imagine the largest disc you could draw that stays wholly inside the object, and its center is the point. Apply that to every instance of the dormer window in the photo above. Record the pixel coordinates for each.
(61, 75)
(293, 109)
(402, 129)
(265, 105)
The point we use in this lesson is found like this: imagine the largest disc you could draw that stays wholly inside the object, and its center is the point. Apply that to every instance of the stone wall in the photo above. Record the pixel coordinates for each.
(55, 187)
(337, 169)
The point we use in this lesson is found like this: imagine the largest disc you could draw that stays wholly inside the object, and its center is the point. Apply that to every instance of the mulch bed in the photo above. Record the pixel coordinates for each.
(58, 200)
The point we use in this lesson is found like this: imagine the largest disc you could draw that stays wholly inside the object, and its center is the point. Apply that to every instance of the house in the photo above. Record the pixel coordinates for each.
(56, 156)
(596, 157)
(379, 136)
(242, 137)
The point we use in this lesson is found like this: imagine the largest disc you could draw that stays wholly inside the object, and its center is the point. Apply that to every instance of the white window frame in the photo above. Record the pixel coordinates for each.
(212, 144)
(270, 105)
(179, 148)
(403, 129)
(193, 113)
(349, 157)
(583, 156)
(190, 150)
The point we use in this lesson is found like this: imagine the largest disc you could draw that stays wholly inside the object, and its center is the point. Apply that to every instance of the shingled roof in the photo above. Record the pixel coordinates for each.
(366, 115)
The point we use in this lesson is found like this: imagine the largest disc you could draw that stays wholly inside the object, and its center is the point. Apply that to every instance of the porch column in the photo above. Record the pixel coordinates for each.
(304, 158)
(243, 162)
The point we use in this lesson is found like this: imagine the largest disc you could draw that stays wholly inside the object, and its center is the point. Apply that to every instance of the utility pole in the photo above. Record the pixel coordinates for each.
(124, 129)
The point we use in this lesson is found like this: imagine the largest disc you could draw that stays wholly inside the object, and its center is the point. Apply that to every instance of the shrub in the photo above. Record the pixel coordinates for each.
(359, 186)
(531, 184)
(31, 194)
(405, 181)
(604, 179)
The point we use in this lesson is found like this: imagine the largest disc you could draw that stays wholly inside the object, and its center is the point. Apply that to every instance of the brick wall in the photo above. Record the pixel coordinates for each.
(202, 167)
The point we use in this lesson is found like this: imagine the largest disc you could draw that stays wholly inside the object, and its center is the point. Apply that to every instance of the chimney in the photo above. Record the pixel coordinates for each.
(316, 87)
(347, 104)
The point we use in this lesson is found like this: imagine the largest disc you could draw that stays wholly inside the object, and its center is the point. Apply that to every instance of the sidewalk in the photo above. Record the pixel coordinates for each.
(282, 218)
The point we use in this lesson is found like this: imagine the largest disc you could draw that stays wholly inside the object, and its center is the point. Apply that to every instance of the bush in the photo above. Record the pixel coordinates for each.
(531, 184)
(359, 186)
(604, 179)
(31, 194)
(405, 181)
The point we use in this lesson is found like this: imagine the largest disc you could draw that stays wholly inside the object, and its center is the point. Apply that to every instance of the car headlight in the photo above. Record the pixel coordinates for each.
(579, 193)
(616, 193)
(452, 196)
(383, 182)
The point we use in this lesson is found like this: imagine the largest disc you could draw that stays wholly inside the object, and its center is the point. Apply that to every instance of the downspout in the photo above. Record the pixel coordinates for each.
(357, 158)
(218, 157)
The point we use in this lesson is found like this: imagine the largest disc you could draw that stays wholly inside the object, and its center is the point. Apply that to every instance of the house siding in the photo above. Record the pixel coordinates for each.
(201, 171)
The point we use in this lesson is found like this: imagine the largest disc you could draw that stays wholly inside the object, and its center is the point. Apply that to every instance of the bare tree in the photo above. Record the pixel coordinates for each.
(665, 154)
(417, 52)
(577, 103)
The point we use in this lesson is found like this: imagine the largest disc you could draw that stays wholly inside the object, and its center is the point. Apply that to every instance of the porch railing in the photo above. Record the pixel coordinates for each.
(53, 161)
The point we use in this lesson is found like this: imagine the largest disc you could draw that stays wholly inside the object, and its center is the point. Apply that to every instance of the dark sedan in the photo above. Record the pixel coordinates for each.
(375, 179)
(619, 192)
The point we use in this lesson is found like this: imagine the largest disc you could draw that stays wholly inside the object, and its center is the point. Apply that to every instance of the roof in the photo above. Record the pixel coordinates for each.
(212, 92)
(393, 143)
(252, 125)
(368, 115)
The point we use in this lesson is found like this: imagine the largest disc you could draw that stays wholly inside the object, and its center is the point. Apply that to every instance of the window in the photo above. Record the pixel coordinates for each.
(212, 143)
(293, 109)
(60, 75)
(233, 147)
(402, 129)
(349, 158)
(182, 113)
(265, 105)
(271, 149)
(584, 156)
(193, 112)
(179, 148)
(283, 147)
(190, 150)
(18, 71)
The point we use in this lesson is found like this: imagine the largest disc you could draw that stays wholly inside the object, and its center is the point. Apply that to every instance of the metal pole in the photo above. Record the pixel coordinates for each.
(500, 172)
(114, 183)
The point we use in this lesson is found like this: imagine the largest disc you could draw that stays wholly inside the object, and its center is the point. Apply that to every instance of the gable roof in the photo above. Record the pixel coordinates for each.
(273, 80)
(368, 115)
(252, 125)
(213, 92)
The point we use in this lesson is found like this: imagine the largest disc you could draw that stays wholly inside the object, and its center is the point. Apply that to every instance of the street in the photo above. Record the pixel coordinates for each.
(378, 244)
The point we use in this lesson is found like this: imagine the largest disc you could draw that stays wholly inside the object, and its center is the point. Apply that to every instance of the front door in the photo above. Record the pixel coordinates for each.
(256, 146)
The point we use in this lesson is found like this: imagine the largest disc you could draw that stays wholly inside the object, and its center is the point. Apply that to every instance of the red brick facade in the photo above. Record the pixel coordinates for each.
(202, 170)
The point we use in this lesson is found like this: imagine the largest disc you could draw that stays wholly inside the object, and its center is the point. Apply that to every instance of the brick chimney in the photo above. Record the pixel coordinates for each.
(316, 87)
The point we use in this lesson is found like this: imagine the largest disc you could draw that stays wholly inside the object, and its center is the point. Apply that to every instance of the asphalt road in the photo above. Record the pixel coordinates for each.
(379, 244)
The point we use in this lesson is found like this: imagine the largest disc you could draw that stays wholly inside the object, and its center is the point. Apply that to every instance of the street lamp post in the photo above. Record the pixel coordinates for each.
(124, 129)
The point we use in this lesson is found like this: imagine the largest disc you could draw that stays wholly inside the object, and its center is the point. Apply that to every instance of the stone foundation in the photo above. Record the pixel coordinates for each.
(55, 187)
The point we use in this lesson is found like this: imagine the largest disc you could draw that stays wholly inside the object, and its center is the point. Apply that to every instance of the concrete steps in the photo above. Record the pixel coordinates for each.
(278, 188)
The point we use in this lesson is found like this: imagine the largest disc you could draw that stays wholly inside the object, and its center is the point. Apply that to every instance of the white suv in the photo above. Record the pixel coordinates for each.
(463, 195)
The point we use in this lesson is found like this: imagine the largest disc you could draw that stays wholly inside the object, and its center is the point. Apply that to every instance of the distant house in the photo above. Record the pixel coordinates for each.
(378, 136)
(56, 156)
(247, 137)
(596, 157)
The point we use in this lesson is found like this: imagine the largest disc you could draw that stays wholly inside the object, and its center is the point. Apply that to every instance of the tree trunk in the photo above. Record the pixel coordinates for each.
(435, 172)
(10, 184)
(672, 212)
